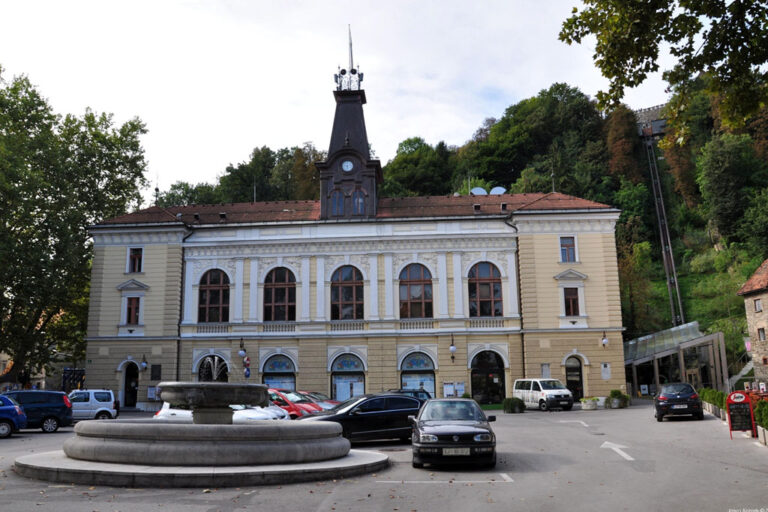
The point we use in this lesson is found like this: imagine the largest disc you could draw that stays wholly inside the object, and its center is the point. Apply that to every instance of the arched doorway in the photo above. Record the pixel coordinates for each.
(418, 372)
(130, 384)
(573, 377)
(279, 373)
(213, 368)
(347, 377)
(488, 378)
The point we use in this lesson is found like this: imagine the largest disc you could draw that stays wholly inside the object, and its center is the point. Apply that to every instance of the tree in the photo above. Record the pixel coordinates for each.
(57, 177)
(726, 40)
(728, 171)
(419, 169)
(182, 193)
(249, 181)
(623, 144)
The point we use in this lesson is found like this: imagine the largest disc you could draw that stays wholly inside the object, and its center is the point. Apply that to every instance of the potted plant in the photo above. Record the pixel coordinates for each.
(615, 398)
(589, 403)
(761, 418)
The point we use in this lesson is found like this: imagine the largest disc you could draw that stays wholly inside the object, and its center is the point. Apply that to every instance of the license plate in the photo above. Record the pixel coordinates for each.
(680, 406)
(564, 402)
(455, 451)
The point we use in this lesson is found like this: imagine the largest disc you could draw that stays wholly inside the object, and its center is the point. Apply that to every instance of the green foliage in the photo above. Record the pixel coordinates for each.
(513, 405)
(57, 177)
(727, 173)
(761, 413)
(419, 169)
(182, 193)
(727, 41)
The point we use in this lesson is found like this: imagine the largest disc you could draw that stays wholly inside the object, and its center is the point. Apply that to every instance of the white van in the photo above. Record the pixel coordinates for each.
(543, 393)
(93, 403)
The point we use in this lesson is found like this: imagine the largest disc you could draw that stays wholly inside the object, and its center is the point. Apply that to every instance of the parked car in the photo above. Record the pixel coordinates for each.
(453, 431)
(12, 417)
(243, 414)
(421, 394)
(320, 399)
(296, 405)
(47, 410)
(677, 399)
(93, 403)
(543, 393)
(381, 416)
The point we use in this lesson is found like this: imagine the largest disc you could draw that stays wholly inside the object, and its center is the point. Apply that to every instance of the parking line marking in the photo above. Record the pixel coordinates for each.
(442, 481)
(506, 477)
(575, 421)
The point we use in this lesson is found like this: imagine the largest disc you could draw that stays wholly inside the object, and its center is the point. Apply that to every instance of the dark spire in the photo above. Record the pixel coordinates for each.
(349, 123)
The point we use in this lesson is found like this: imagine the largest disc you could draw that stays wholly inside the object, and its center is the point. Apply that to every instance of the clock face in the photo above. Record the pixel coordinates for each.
(347, 165)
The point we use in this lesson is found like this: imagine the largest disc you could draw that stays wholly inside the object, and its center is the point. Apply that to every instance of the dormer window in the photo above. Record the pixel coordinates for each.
(337, 203)
(358, 203)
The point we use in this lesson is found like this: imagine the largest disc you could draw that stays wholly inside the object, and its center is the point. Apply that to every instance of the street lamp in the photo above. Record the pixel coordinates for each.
(604, 341)
(452, 349)
(144, 363)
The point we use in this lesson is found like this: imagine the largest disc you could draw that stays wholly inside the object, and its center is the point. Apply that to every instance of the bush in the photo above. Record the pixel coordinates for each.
(466, 395)
(513, 405)
(616, 394)
(761, 413)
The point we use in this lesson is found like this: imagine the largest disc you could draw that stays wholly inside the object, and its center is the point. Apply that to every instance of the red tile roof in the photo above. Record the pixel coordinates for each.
(388, 208)
(758, 282)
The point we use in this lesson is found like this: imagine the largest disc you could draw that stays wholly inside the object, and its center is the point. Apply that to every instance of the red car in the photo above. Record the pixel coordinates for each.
(320, 399)
(296, 405)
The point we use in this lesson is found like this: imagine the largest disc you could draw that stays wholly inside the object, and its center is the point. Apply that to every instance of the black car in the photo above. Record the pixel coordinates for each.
(453, 431)
(421, 394)
(47, 410)
(380, 416)
(678, 399)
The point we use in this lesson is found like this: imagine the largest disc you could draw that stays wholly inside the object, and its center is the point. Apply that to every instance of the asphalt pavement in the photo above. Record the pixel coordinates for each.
(551, 461)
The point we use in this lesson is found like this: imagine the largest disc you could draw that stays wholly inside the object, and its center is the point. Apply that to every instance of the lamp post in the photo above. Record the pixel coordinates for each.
(452, 349)
(604, 341)
(144, 363)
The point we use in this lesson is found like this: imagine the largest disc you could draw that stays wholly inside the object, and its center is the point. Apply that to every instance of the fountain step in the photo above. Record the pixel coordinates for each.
(57, 467)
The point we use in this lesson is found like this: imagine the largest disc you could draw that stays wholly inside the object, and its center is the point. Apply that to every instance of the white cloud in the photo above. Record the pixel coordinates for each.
(212, 80)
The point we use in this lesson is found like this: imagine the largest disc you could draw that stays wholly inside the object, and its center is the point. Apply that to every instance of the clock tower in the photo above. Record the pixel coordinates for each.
(349, 177)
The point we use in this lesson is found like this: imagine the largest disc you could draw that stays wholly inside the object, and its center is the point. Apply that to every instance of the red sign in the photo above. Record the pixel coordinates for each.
(741, 417)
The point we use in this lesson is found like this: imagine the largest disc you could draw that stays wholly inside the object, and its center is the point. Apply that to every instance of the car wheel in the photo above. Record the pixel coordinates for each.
(659, 417)
(6, 429)
(542, 405)
(50, 425)
(417, 464)
(103, 415)
(492, 463)
(700, 416)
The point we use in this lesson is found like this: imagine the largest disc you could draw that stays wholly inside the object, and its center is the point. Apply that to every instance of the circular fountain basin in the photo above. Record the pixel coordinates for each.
(156, 443)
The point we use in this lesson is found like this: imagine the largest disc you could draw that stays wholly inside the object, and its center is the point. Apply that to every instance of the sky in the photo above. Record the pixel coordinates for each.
(212, 80)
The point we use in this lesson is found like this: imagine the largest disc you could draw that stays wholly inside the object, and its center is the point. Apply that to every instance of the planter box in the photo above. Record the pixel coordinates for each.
(714, 410)
(589, 405)
(761, 435)
(723, 415)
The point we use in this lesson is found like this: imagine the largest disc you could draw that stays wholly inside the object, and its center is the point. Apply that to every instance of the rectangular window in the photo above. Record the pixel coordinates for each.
(761, 334)
(758, 305)
(156, 371)
(545, 371)
(571, 296)
(567, 249)
(132, 312)
(134, 260)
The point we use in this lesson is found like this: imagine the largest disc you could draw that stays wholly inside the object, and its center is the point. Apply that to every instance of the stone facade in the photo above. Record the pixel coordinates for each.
(755, 293)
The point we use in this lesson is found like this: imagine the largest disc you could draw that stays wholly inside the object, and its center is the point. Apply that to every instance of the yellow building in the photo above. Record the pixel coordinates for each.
(354, 293)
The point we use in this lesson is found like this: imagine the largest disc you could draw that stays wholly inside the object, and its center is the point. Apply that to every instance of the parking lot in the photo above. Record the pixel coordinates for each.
(576, 460)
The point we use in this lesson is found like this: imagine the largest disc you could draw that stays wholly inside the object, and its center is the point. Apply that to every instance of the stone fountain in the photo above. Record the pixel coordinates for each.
(209, 452)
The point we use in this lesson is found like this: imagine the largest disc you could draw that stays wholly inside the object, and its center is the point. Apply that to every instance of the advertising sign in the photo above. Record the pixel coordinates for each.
(741, 417)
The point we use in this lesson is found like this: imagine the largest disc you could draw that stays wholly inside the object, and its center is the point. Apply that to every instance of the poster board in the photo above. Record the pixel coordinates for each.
(448, 389)
(741, 417)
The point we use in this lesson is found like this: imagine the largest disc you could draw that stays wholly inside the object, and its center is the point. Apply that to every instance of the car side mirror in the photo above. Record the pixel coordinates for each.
(491, 418)
(412, 419)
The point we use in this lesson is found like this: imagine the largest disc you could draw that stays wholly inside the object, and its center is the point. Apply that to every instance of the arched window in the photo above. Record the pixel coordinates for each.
(337, 203)
(280, 296)
(213, 298)
(279, 372)
(485, 290)
(347, 377)
(358, 203)
(418, 372)
(415, 292)
(213, 369)
(347, 294)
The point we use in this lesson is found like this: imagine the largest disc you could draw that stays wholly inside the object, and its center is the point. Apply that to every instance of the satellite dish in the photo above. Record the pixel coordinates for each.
(497, 191)
(478, 191)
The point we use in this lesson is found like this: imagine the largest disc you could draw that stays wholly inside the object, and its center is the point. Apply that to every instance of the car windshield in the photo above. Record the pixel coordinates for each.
(447, 410)
(677, 388)
(296, 398)
(551, 384)
(319, 396)
(347, 403)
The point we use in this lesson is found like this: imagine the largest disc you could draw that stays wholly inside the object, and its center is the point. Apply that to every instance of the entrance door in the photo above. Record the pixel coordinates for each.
(131, 384)
(573, 377)
(488, 378)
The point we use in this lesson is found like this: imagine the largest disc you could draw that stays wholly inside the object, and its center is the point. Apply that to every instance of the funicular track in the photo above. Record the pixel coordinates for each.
(650, 129)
